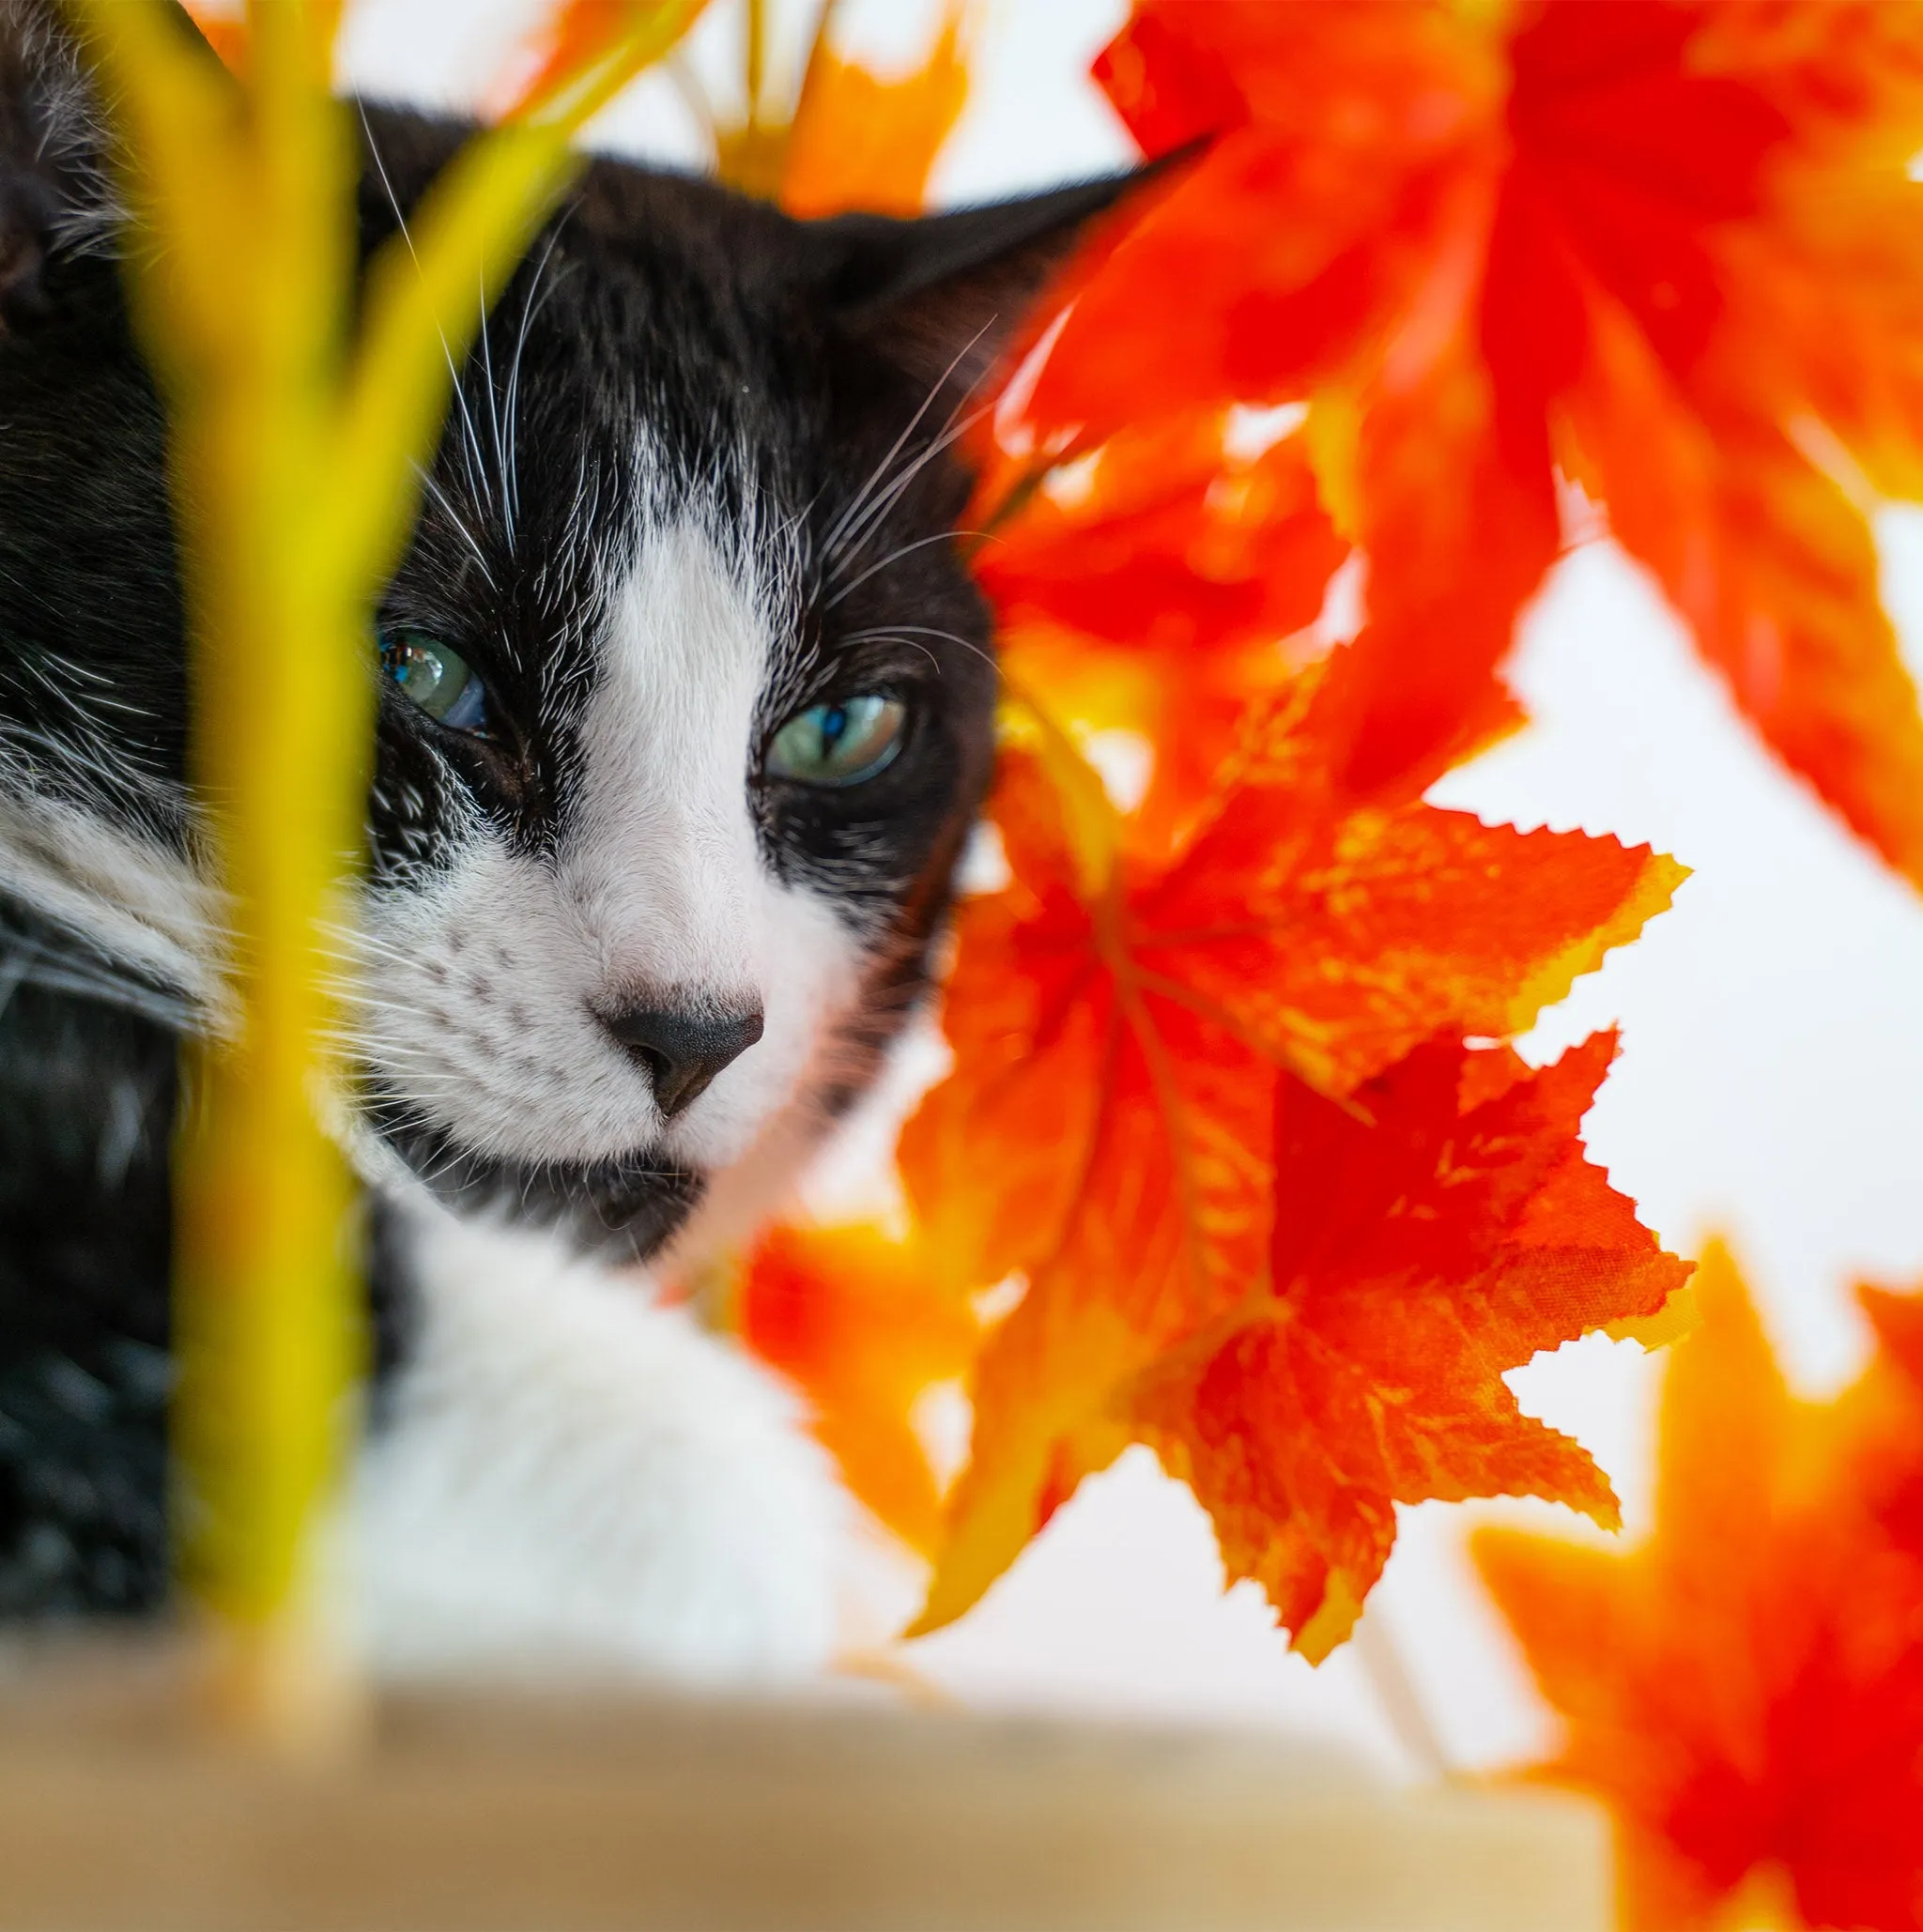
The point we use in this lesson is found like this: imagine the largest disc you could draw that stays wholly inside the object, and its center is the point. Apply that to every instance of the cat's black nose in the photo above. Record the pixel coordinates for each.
(683, 1051)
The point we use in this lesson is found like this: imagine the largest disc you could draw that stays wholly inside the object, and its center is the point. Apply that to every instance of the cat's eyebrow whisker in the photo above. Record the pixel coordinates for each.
(538, 286)
(469, 440)
(896, 636)
(494, 415)
(893, 557)
(835, 532)
(849, 546)
(455, 517)
(891, 633)
(582, 513)
(472, 461)
(848, 543)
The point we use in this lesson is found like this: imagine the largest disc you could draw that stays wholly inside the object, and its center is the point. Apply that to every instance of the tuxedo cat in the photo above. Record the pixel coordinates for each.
(684, 711)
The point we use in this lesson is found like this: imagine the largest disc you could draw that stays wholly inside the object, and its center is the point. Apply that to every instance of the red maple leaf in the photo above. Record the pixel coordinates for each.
(1122, 1020)
(1431, 1238)
(1162, 585)
(1671, 247)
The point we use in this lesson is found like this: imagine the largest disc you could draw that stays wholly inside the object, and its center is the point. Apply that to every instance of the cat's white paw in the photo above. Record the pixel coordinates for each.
(567, 1477)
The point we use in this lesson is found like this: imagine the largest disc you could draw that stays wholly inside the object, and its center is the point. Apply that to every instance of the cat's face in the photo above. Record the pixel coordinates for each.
(685, 694)
(687, 702)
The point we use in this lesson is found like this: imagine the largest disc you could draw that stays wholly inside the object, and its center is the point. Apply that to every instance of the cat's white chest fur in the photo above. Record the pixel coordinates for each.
(571, 1477)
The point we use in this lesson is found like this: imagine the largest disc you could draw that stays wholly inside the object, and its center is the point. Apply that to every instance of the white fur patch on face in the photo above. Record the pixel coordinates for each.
(481, 1002)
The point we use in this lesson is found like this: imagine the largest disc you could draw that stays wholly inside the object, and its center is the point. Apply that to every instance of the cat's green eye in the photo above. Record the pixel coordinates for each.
(844, 743)
(437, 679)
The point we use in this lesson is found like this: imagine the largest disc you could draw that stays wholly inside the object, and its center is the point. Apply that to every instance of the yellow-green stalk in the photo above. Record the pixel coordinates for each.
(295, 441)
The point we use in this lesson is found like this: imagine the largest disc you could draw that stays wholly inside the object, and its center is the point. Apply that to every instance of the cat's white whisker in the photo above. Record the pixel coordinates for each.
(532, 306)
(459, 523)
(843, 553)
(832, 536)
(893, 557)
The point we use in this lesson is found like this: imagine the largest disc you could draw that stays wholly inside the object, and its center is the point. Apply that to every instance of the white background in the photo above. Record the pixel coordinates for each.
(1771, 1086)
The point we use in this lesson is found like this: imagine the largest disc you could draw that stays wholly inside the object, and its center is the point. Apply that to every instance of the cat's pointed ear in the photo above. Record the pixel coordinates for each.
(941, 296)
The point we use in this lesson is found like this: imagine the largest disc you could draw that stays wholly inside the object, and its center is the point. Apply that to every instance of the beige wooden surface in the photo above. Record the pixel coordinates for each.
(503, 1814)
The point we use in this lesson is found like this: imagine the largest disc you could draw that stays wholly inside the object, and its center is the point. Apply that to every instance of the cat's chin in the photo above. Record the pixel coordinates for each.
(626, 1206)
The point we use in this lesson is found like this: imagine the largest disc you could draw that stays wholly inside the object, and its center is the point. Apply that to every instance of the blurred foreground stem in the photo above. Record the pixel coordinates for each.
(295, 451)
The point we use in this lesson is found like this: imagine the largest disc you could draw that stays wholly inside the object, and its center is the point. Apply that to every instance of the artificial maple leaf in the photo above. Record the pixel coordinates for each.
(847, 139)
(1163, 540)
(1155, 588)
(862, 142)
(578, 46)
(223, 31)
(1745, 1691)
(864, 1329)
(1120, 1021)
(1673, 247)
(568, 38)
(1425, 1243)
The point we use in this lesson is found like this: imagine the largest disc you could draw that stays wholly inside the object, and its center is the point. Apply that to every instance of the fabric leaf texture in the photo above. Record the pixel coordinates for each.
(1745, 1688)
(1132, 1033)
(1668, 249)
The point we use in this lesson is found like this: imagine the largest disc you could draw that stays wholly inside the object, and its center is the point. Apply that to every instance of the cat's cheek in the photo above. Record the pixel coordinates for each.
(473, 1011)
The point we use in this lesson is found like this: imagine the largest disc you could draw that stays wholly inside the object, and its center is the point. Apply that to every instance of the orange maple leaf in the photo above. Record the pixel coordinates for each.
(860, 141)
(1745, 1690)
(863, 1327)
(1671, 247)
(223, 31)
(569, 37)
(1121, 1020)
(848, 139)
(1418, 1254)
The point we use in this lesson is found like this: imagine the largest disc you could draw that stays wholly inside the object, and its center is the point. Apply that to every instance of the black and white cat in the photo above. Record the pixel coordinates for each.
(685, 712)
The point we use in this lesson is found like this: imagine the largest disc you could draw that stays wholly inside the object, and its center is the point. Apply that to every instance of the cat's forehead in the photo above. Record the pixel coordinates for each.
(652, 303)
(665, 478)
(669, 345)
(628, 380)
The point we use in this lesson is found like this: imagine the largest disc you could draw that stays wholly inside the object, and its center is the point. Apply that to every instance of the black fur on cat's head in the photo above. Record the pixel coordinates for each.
(687, 705)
